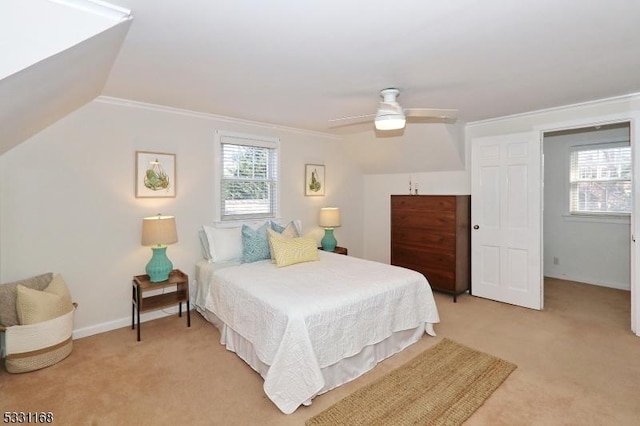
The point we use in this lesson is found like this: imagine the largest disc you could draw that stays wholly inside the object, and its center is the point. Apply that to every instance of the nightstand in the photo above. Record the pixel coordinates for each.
(174, 290)
(337, 250)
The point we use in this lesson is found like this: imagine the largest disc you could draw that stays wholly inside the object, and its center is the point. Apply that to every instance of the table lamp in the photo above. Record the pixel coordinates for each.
(157, 232)
(329, 219)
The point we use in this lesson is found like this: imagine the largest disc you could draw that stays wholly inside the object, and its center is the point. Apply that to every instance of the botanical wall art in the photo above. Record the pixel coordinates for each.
(314, 181)
(155, 174)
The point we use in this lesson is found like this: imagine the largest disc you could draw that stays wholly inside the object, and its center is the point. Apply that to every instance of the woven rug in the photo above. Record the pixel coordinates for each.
(443, 385)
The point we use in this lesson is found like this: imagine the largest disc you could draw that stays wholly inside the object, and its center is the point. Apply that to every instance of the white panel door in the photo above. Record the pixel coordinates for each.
(506, 212)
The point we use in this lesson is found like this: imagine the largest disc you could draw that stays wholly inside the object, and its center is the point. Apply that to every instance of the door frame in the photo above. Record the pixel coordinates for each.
(633, 118)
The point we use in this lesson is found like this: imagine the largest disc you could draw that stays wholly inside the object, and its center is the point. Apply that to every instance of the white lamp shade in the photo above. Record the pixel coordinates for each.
(390, 122)
(329, 217)
(159, 230)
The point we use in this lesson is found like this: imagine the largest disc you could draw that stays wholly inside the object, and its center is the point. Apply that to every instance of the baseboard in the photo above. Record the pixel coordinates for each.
(123, 322)
(617, 286)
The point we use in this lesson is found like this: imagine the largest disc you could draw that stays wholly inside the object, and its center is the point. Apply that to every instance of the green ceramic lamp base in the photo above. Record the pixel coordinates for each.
(328, 242)
(159, 266)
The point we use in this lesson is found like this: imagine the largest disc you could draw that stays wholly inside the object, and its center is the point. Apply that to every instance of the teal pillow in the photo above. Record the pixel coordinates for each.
(255, 243)
(276, 227)
(289, 230)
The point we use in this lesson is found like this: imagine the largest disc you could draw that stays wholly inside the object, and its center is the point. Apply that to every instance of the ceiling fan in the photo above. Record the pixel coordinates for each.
(391, 116)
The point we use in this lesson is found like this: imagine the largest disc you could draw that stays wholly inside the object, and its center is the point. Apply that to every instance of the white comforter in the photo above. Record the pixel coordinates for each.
(307, 316)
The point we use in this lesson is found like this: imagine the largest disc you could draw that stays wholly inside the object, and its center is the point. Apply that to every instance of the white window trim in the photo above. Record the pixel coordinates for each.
(256, 140)
(620, 218)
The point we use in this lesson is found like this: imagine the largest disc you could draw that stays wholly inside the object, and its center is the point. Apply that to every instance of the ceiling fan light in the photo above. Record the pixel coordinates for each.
(390, 122)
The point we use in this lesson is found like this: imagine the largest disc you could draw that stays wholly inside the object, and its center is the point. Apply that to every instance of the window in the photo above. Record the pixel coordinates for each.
(248, 173)
(600, 179)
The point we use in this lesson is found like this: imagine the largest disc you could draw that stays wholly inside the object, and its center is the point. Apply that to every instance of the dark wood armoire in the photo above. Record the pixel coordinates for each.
(431, 234)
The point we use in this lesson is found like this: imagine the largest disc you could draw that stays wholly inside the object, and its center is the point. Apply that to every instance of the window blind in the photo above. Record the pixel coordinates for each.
(248, 181)
(600, 179)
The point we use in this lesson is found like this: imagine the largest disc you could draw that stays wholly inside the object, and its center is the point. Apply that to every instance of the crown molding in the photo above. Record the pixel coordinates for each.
(207, 116)
(629, 97)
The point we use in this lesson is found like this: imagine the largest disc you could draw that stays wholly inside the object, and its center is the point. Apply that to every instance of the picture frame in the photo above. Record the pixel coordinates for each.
(314, 180)
(155, 175)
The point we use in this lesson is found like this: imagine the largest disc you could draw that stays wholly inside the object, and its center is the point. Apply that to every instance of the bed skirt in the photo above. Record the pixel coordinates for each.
(334, 375)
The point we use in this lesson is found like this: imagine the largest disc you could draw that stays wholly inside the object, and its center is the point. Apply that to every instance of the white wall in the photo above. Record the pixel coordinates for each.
(419, 147)
(433, 155)
(68, 204)
(377, 201)
(589, 250)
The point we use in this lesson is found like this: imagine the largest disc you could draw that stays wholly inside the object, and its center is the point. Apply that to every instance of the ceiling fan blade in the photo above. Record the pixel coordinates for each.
(389, 108)
(343, 121)
(448, 114)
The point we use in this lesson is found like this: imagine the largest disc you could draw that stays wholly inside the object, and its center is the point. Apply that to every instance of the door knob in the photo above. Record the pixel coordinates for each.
(476, 227)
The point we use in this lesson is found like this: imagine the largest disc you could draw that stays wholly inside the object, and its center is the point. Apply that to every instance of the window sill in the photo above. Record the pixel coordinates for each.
(253, 222)
(622, 219)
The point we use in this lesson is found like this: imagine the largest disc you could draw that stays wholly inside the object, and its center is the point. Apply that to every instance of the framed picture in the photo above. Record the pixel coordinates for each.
(155, 174)
(314, 181)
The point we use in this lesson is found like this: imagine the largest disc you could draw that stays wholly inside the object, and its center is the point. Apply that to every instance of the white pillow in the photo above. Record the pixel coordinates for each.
(224, 243)
(204, 244)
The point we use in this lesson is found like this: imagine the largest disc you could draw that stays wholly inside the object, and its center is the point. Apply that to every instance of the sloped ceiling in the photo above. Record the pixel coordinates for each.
(56, 57)
(298, 64)
(418, 148)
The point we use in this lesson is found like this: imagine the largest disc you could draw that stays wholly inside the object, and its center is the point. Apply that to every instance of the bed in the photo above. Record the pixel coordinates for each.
(312, 326)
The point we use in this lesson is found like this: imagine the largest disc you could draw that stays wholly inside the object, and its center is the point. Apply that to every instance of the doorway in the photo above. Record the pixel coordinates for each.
(587, 199)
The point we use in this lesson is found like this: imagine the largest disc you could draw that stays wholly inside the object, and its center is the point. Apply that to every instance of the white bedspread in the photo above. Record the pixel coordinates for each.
(307, 316)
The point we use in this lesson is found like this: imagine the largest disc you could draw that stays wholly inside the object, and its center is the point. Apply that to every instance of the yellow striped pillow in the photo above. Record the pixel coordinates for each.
(288, 251)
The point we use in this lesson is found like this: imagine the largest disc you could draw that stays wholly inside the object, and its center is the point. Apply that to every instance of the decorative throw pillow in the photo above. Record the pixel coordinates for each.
(290, 230)
(204, 244)
(59, 288)
(8, 295)
(255, 243)
(271, 234)
(224, 243)
(289, 251)
(35, 306)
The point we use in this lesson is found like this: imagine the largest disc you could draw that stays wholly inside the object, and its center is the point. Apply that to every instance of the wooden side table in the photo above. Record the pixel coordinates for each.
(338, 250)
(142, 283)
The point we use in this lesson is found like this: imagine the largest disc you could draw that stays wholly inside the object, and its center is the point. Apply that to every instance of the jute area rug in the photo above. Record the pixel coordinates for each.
(443, 385)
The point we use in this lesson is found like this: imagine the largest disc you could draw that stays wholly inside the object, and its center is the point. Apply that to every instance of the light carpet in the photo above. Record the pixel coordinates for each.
(443, 385)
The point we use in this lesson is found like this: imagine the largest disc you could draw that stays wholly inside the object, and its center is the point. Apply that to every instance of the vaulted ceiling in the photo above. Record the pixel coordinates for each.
(298, 64)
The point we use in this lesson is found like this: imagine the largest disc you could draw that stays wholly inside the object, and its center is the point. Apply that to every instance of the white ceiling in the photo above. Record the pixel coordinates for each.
(300, 63)
(56, 56)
